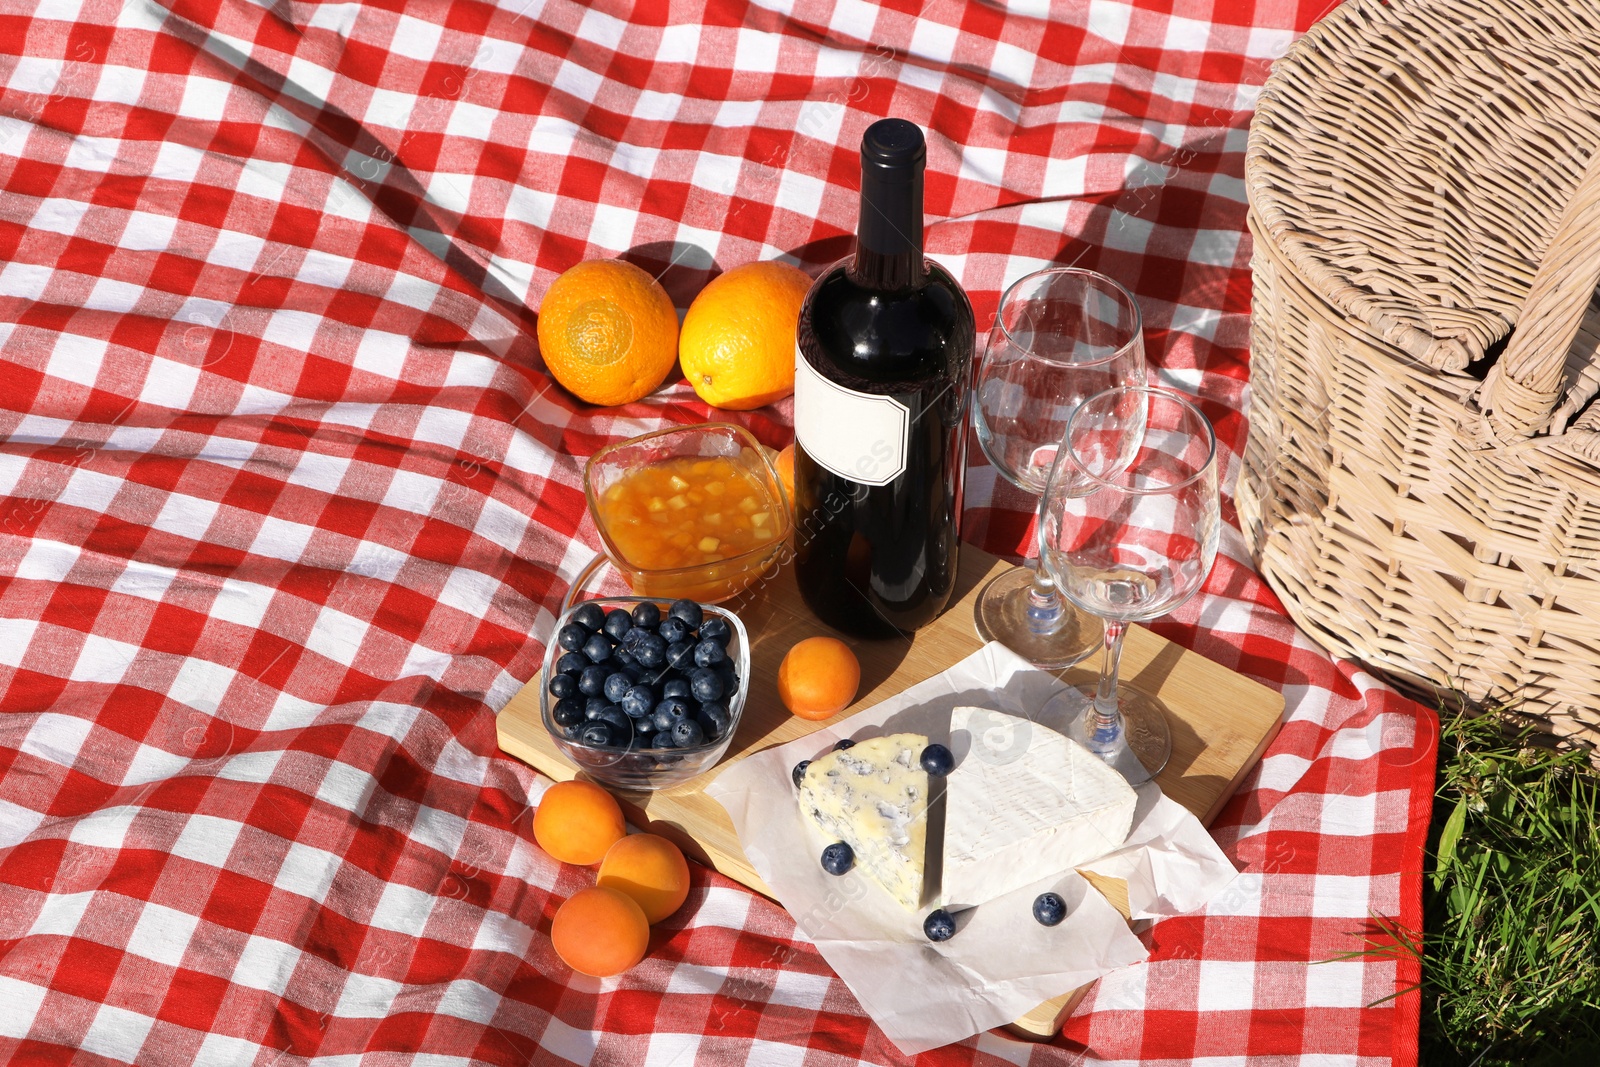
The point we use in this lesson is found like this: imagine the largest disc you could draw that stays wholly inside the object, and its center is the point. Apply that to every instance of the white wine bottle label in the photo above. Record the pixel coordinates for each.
(859, 436)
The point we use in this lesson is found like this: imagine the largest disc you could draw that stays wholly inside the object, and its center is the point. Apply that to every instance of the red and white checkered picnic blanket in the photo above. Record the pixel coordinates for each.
(287, 501)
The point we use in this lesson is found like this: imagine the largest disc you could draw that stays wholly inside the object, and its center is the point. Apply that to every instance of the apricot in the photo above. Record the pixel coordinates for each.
(651, 870)
(576, 822)
(600, 932)
(785, 467)
(818, 677)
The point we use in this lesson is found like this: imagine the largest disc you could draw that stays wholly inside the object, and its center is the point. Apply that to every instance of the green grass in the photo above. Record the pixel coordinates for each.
(1511, 954)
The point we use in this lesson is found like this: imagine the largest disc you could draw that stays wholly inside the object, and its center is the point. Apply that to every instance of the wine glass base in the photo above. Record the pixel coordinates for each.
(1001, 615)
(1145, 745)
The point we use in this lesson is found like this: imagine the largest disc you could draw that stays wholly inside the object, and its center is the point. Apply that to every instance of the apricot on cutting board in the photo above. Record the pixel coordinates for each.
(600, 932)
(818, 677)
(576, 822)
(651, 870)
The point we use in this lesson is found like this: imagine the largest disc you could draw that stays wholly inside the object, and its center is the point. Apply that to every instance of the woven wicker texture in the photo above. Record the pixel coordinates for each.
(1420, 483)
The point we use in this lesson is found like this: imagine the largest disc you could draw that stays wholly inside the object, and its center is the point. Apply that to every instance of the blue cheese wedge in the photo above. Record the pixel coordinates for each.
(874, 798)
(1023, 803)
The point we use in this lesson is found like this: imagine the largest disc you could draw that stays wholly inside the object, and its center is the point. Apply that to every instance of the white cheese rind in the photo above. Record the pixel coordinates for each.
(1023, 803)
(874, 798)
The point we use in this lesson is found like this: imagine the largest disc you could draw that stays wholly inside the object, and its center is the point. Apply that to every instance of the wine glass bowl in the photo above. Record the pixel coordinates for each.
(1060, 335)
(1128, 528)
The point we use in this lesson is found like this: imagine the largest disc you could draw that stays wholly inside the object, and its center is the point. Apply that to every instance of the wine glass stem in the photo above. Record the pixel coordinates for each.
(1046, 612)
(1106, 718)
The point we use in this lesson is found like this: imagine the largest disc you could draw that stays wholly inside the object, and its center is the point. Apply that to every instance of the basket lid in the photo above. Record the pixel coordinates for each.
(1409, 159)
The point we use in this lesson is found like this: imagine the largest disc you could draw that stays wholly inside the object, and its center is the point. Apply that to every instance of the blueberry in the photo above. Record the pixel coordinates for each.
(567, 712)
(644, 726)
(639, 701)
(637, 674)
(1049, 909)
(672, 630)
(799, 772)
(597, 648)
(716, 629)
(715, 718)
(617, 624)
(662, 739)
(647, 615)
(572, 637)
(708, 654)
(680, 655)
(843, 743)
(592, 682)
(630, 640)
(621, 725)
(729, 676)
(563, 686)
(937, 760)
(571, 663)
(838, 858)
(686, 733)
(705, 685)
(616, 684)
(592, 706)
(669, 713)
(940, 925)
(622, 657)
(652, 651)
(687, 611)
(589, 616)
(595, 734)
(677, 709)
(676, 687)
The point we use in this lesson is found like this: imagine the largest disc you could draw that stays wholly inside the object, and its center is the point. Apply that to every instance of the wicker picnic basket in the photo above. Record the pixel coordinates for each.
(1422, 480)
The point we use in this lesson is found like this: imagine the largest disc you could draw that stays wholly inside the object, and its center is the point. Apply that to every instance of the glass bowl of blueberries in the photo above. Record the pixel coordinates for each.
(643, 694)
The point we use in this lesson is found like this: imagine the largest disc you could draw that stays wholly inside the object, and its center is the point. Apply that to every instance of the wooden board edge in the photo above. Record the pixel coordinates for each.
(514, 744)
(1044, 1022)
(1249, 765)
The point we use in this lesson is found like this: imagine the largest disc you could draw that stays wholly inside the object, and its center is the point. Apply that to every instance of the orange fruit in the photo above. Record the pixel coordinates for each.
(818, 677)
(608, 331)
(784, 465)
(737, 342)
(651, 870)
(576, 822)
(600, 932)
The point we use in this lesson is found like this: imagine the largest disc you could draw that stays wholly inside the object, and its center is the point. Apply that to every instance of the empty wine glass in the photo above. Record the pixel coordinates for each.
(1128, 527)
(1060, 335)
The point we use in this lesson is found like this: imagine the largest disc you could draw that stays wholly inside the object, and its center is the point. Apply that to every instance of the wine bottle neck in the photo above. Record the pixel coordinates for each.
(889, 234)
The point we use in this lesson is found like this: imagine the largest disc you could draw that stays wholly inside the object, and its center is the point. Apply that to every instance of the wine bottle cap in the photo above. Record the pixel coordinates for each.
(893, 147)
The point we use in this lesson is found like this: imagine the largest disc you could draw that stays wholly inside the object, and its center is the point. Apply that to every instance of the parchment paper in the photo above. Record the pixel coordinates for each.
(1001, 963)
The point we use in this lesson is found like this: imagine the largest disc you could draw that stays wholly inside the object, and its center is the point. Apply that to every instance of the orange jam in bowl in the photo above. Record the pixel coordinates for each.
(693, 511)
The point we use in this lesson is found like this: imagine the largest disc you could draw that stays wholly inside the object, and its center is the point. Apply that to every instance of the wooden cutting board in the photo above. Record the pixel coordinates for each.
(1221, 723)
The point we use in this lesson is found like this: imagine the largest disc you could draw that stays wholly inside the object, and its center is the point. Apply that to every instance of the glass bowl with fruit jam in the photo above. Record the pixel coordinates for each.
(642, 693)
(694, 512)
